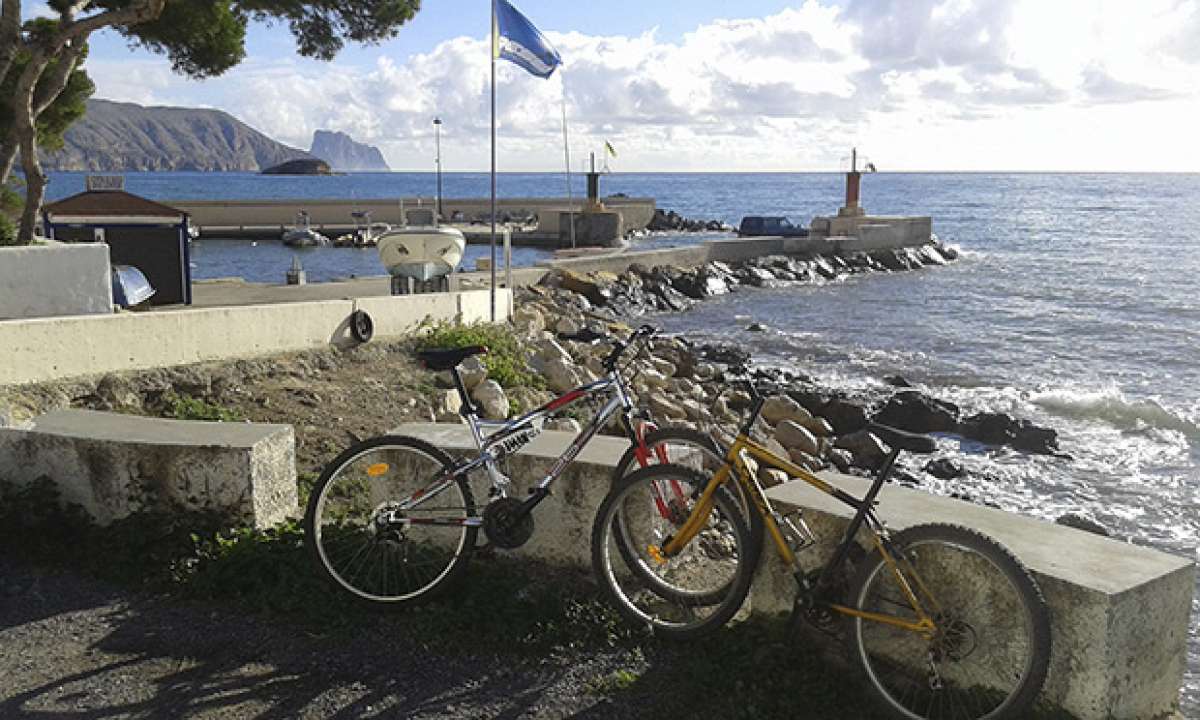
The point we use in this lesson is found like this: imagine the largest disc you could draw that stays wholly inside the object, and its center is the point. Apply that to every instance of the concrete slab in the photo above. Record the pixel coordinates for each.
(1119, 612)
(114, 465)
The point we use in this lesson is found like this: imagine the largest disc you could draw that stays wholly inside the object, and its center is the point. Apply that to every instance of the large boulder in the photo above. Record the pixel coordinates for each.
(793, 436)
(843, 415)
(561, 374)
(781, 407)
(473, 371)
(598, 290)
(1004, 429)
(446, 406)
(662, 407)
(817, 426)
(492, 400)
(916, 412)
(867, 449)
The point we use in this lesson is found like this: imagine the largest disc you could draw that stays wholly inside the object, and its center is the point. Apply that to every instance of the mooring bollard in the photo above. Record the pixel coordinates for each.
(296, 276)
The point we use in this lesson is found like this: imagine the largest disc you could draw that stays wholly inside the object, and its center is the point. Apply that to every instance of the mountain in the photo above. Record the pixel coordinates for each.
(114, 137)
(345, 155)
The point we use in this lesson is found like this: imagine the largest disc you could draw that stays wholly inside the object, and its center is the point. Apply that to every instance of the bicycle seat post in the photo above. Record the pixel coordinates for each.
(468, 407)
(882, 476)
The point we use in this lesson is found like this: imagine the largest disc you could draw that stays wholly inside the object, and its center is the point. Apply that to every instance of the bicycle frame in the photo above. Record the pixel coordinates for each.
(736, 458)
(496, 439)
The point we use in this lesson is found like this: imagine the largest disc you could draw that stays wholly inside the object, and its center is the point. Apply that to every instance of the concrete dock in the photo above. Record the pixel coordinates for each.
(540, 217)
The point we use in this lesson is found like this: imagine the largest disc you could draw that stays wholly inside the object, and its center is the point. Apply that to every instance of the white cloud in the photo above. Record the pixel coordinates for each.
(907, 79)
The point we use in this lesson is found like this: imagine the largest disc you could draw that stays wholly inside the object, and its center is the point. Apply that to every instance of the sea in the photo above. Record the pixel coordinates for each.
(1075, 304)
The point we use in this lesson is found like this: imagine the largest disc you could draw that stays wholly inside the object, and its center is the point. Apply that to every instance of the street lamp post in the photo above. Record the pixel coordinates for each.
(437, 126)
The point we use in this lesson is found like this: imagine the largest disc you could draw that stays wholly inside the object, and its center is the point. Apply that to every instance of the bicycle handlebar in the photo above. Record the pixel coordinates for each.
(643, 333)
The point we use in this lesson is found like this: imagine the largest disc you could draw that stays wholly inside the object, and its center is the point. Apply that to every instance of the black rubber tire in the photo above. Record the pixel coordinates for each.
(703, 441)
(362, 327)
(313, 534)
(722, 603)
(1004, 571)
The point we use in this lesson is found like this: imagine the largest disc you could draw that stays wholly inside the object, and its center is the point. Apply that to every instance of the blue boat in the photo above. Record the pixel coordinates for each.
(130, 286)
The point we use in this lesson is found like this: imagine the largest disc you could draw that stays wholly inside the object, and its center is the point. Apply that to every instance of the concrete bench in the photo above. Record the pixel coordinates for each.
(113, 465)
(1120, 613)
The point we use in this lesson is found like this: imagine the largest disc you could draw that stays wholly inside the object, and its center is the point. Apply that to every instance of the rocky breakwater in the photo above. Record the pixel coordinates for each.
(641, 289)
(671, 221)
(689, 384)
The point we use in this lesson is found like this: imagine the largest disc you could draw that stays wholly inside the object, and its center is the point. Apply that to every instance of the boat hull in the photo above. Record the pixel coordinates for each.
(421, 253)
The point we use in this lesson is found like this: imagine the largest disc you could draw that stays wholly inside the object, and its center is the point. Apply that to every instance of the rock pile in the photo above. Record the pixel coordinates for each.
(640, 289)
(684, 383)
(672, 221)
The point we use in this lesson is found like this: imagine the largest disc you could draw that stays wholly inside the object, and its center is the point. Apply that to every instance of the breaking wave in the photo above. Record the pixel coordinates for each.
(1112, 406)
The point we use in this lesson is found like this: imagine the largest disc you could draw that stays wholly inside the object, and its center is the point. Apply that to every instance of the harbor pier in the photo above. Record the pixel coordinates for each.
(537, 222)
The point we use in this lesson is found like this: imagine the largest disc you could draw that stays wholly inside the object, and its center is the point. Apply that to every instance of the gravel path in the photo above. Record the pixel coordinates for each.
(71, 647)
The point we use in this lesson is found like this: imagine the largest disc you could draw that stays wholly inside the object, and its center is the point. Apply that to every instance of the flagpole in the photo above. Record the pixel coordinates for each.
(567, 156)
(495, 40)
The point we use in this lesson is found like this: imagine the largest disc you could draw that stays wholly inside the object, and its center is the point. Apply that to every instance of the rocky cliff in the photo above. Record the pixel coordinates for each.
(344, 154)
(114, 137)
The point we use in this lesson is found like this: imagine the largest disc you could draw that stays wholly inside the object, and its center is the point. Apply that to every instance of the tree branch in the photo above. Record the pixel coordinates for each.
(10, 34)
(49, 87)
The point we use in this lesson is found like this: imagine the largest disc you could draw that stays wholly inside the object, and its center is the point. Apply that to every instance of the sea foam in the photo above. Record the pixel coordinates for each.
(1112, 406)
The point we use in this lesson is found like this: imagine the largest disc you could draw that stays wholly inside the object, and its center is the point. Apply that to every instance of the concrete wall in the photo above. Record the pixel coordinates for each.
(114, 465)
(47, 349)
(55, 280)
(1119, 613)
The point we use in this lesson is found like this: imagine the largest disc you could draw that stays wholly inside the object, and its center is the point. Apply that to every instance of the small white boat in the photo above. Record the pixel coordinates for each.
(421, 252)
(302, 235)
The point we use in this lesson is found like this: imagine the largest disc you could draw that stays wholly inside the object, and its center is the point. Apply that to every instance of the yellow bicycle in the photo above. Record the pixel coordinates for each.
(944, 621)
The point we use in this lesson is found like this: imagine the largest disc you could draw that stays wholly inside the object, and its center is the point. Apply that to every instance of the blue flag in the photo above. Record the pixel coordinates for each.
(516, 39)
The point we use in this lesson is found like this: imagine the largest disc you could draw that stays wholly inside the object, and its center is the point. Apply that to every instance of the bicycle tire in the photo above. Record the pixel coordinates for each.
(713, 457)
(977, 585)
(365, 477)
(677, 612)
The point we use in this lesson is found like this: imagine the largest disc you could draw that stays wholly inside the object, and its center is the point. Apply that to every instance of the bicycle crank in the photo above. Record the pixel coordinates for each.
(507, 523)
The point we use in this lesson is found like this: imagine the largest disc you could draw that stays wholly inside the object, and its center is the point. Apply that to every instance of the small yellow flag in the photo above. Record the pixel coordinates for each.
(495, 37)
(611, 150)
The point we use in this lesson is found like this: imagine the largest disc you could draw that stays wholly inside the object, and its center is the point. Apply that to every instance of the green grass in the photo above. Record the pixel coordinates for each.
(505, 607)
(505, 360)
(186, 407)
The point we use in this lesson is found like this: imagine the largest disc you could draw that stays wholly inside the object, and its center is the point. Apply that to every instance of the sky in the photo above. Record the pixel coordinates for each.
(756, 85)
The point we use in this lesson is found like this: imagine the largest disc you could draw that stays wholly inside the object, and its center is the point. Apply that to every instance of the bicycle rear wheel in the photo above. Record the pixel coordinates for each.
(687, 595)
(387, 525)
(989, 656)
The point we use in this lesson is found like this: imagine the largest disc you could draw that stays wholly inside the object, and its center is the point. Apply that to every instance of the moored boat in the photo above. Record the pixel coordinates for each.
(421, 252)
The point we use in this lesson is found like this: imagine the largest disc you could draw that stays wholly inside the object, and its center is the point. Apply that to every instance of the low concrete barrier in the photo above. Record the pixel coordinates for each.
(54, 280)
(1120, 613)
(735, 250)
(114, 465)
(46, 349)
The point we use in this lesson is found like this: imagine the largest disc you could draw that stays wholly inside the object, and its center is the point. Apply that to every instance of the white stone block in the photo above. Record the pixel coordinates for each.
(114, 465)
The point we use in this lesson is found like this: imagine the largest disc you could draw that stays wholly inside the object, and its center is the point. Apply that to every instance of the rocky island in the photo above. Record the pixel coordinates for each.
(304, 166)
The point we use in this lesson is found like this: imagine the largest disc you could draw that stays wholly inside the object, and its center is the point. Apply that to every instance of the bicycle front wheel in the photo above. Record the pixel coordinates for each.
(990, 652)
(387, 524)
(691, 593)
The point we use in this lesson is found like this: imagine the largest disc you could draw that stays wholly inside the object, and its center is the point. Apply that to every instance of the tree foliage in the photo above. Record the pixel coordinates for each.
(204, 38)
(67, 107)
